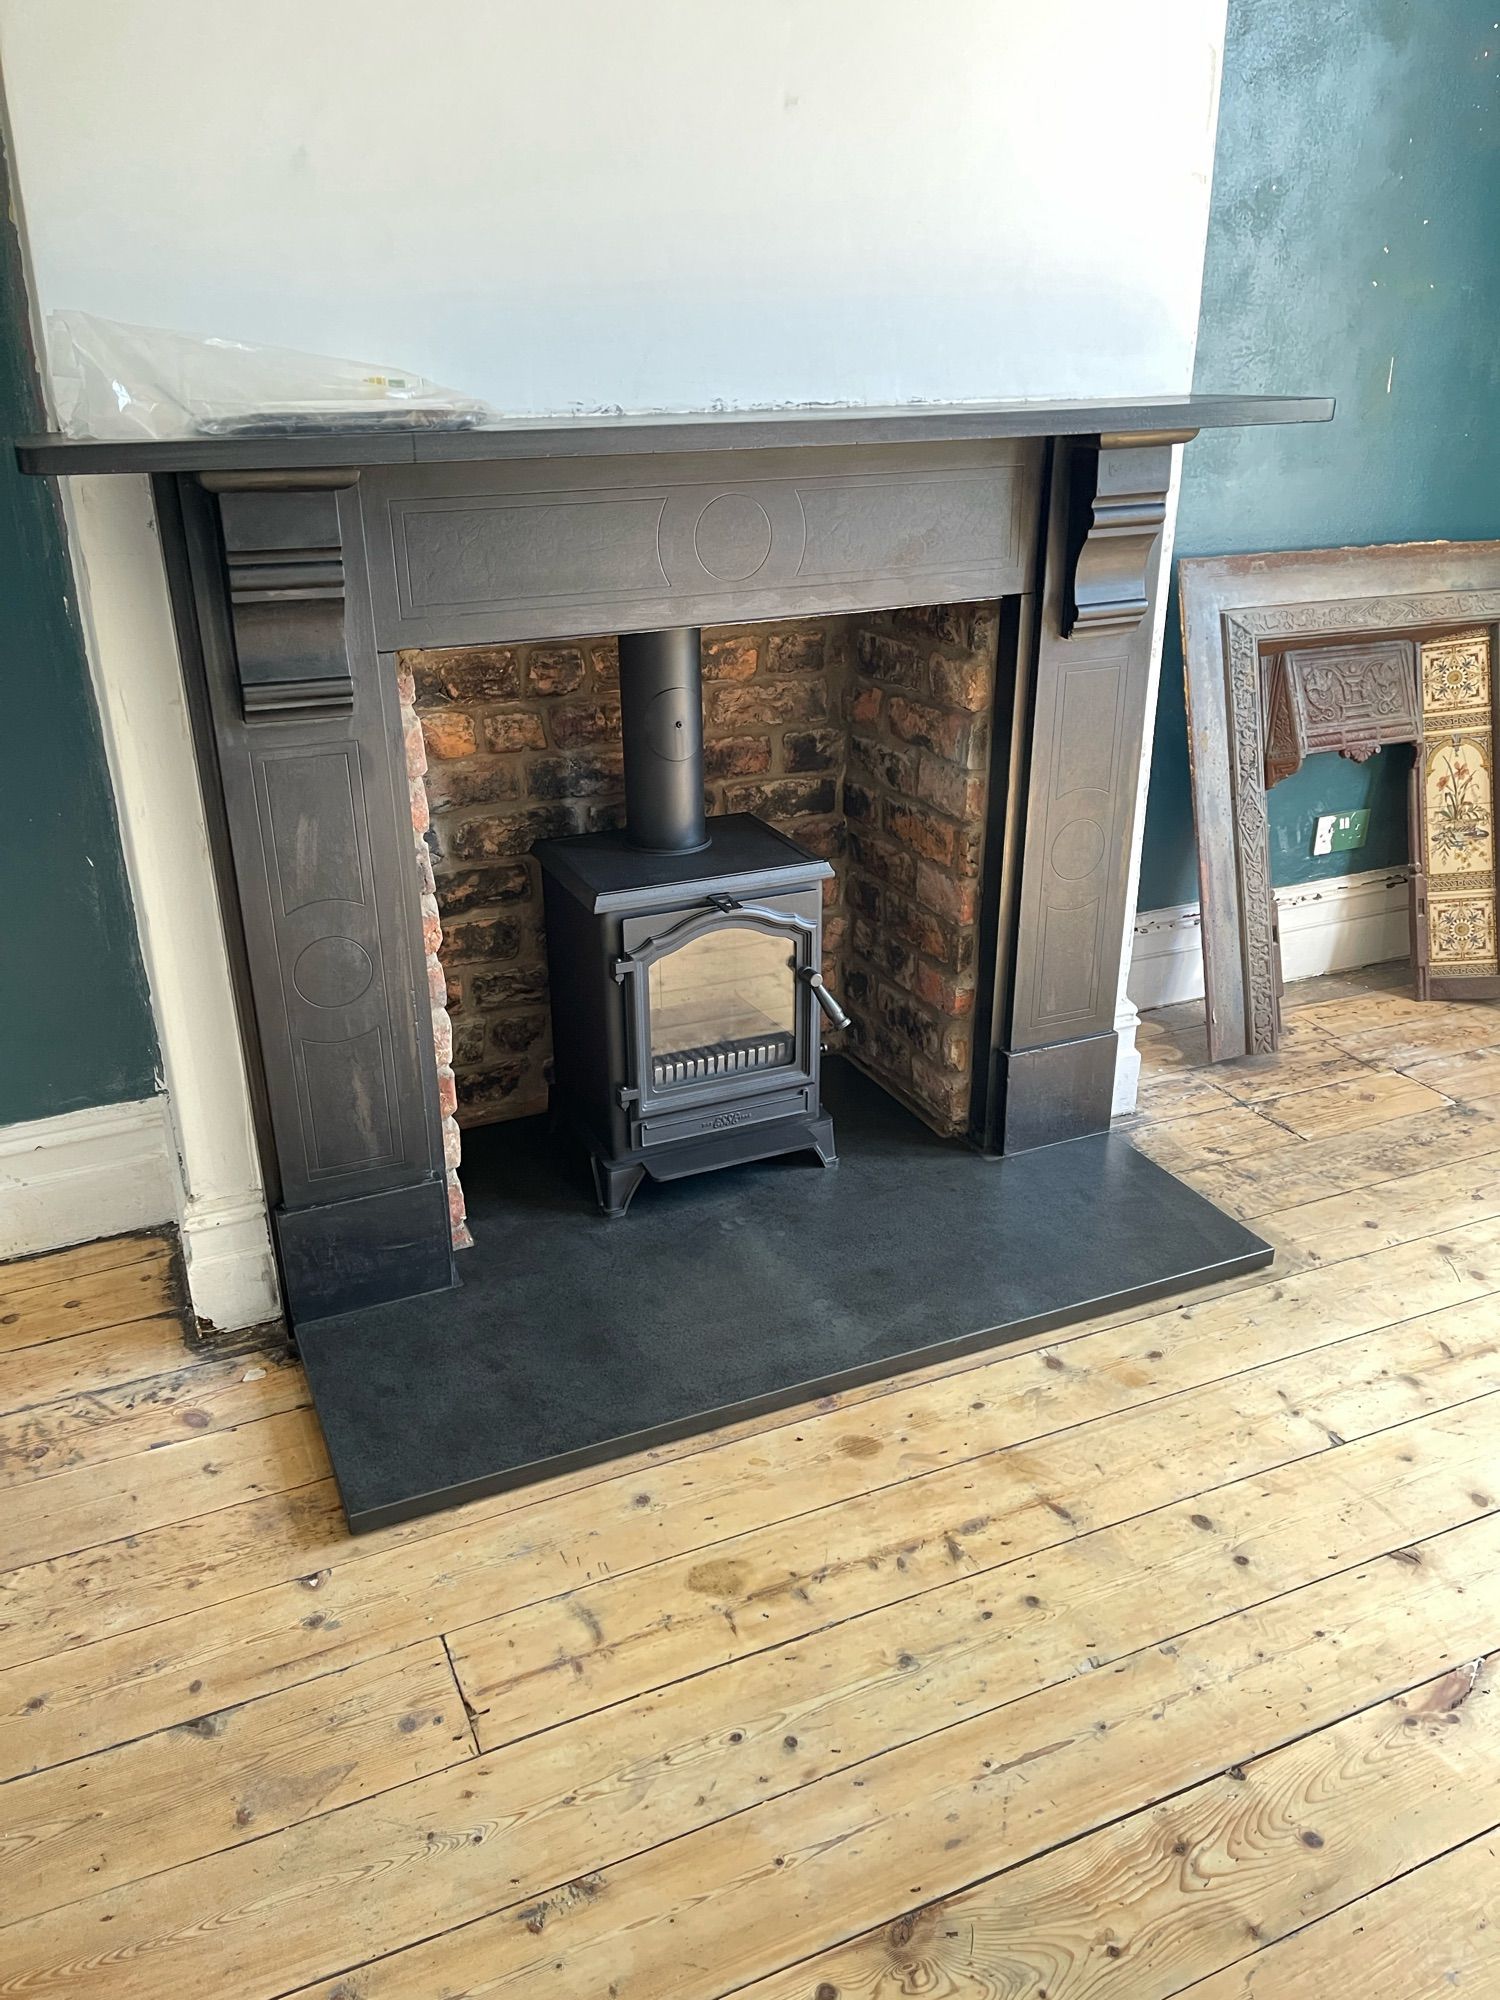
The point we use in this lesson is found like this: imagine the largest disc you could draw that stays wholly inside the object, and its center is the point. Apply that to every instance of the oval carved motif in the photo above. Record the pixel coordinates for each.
(732, 537)
(1077, 850)
(332, 972)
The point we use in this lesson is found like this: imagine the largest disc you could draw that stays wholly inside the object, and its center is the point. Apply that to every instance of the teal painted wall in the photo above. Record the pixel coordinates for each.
(1353, 249)
(75, 1019)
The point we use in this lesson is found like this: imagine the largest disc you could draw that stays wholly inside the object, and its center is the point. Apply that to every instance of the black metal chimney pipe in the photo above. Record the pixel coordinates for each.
(661, 724)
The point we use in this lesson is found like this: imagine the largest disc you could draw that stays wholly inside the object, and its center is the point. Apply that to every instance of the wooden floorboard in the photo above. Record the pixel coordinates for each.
(194, 1475)
(839, 1851)
(55, 1267)
(83, 1363)
(612, 1639)
(195, 1399)
(228, 1778)
(1157, 1655)
(73, 1305)
(1153, 1903)
(1426, 1936)
(1288, 1175)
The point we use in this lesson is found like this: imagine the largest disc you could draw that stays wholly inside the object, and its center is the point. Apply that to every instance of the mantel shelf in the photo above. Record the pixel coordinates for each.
(604, 437)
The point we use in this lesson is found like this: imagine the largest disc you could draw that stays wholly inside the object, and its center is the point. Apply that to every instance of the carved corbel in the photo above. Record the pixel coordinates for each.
(283, 550)
(1117, 504)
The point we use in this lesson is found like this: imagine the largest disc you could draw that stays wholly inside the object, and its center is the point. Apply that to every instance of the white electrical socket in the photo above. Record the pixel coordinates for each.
(1323, 833)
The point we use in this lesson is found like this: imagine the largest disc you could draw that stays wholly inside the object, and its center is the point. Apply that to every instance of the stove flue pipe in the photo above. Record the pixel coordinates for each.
(661, 724)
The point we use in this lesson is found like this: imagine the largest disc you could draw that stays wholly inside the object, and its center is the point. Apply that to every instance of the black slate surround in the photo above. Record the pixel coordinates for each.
(299, 565)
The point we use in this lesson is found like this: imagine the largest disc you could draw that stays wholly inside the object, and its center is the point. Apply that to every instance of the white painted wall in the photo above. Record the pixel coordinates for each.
(665, 204)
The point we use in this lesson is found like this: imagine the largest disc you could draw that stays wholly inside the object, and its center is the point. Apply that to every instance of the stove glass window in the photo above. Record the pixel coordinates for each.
(723, 1005)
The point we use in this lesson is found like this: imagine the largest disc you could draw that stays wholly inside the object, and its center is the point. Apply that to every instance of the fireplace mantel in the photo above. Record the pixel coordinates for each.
(299, 565)
(613, 436)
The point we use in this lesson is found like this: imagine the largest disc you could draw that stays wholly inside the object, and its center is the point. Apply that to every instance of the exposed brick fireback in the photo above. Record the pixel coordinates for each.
(441, 993)
(919, 697)
(482, 888)
(449, 733)
(762, 702)
(863, 737)
(737, 757)
(464, 674)
(554, 669)
(581, 776)
(512, 729)
(813, 749)
(731, 657)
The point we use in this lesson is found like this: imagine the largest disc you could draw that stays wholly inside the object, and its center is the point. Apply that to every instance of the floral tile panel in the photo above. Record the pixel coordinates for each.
(1458, 805)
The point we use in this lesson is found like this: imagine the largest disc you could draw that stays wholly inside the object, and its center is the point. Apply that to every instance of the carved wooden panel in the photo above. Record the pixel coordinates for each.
(543, 550)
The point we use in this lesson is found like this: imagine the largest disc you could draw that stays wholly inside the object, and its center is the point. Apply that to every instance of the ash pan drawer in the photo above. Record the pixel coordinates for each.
(723, 1117)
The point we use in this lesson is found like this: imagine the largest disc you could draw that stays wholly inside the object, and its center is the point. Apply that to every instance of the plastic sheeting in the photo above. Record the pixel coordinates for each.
(117, 381)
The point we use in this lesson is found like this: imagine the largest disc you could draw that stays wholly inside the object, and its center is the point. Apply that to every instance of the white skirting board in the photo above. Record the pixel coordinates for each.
(1329, 926)
(231, 1270)
(85, 1174)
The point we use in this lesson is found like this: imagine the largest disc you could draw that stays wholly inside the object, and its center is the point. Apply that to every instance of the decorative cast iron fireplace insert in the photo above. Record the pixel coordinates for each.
(1370, 615)
(300, 565)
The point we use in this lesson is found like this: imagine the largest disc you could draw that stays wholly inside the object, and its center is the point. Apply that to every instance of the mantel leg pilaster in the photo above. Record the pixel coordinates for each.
(1055, 1045)
(317, 884)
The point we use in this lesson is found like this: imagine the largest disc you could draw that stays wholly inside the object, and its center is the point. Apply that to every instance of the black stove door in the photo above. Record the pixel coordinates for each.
(721, 1025)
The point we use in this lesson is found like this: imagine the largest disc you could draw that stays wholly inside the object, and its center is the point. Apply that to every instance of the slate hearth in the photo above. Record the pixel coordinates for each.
(571, 1340)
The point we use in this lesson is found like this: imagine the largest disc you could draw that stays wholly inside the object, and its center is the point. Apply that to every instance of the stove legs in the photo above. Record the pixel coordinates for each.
(615, 1181)
(820, 1139)
(614, 1185)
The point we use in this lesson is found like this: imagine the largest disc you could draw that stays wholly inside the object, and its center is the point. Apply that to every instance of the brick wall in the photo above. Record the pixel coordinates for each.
(864, 738)
(918, 701)
(442, 1024)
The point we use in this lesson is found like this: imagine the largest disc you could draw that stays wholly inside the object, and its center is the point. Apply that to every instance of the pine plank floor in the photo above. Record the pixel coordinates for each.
(1157, 1656)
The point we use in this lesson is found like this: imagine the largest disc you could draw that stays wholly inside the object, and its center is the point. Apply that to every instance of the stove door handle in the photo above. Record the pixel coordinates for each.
(833, 1013)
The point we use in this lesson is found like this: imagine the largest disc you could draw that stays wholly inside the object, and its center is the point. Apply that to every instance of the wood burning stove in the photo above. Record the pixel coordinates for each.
(684, 958)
